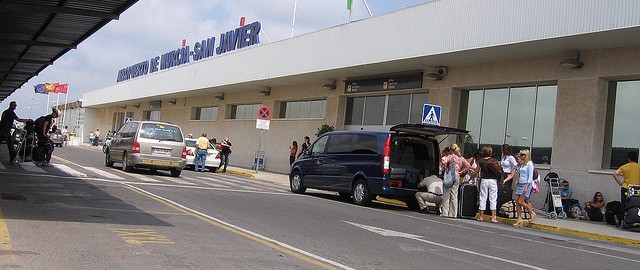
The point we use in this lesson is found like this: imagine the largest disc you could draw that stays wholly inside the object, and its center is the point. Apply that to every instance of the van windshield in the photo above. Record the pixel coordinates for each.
(161, 132)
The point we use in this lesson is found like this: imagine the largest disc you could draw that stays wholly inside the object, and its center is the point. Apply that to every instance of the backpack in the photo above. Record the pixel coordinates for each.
(611, 209)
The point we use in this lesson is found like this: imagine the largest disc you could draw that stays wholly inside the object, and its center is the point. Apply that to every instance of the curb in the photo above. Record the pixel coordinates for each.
(590, 235)
(250, 175)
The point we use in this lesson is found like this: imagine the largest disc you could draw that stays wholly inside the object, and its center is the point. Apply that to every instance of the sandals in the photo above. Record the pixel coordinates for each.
(533, 217)
(518, 224)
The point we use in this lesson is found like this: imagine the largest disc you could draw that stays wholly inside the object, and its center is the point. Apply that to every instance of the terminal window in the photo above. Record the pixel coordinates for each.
(244, 111)
(621, 125)
(387, 110)
(303, 109)
(151, 115)
(204, 113)
(522, 117)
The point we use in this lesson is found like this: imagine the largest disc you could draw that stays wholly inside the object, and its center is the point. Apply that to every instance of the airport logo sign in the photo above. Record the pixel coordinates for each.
(241, 37)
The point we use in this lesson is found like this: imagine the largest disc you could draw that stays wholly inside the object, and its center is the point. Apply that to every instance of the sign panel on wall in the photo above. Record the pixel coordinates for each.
(384, 84)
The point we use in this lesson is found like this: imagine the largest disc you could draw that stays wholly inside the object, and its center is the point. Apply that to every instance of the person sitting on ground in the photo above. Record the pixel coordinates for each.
(568, 202)
(430, 191)
(593, 209)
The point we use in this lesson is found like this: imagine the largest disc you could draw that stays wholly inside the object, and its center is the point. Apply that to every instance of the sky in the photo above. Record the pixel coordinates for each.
(153, 27)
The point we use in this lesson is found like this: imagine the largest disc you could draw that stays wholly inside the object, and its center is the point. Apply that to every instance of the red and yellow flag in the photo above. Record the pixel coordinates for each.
(51, 87)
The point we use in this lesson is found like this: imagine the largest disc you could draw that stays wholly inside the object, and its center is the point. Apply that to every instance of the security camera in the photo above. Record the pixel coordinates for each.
(442, 71)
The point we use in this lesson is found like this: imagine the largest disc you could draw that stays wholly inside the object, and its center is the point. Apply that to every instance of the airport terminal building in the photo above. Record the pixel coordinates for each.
(559, 77)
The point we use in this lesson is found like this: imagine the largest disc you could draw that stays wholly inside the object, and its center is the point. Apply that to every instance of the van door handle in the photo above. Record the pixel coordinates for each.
(319, 161)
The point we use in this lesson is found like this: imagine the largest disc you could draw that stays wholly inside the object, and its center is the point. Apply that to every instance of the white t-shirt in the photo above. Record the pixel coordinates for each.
(508, 164)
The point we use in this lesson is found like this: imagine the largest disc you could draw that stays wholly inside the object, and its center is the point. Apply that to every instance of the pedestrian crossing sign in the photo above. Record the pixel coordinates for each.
(431, 114)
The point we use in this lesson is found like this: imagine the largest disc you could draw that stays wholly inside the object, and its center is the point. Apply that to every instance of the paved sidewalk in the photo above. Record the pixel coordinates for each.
(588, 229)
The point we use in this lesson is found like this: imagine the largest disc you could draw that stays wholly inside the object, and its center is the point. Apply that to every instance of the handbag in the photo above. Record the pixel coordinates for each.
(450, 175)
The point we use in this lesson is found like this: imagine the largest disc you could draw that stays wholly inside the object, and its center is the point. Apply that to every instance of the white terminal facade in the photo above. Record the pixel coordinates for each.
(559, 77)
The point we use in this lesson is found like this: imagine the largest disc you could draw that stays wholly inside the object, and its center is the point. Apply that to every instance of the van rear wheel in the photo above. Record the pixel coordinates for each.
(361, 194)
(107, 159)
(125, 163)
(175, 173)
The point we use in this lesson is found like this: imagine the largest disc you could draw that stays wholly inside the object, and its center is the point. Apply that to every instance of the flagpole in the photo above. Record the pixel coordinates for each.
(293, 24)
(367, 6)
(47, 104)
(66, 100)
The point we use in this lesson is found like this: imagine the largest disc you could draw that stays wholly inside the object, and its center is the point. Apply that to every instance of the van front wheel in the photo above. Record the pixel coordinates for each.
(295, 183)
(361, 194)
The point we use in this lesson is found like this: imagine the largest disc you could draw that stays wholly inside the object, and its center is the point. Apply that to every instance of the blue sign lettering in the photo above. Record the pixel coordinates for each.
(238, 38)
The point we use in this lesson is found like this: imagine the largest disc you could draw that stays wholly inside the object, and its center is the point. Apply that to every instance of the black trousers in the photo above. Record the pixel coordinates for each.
(5, 135)
(623, 203)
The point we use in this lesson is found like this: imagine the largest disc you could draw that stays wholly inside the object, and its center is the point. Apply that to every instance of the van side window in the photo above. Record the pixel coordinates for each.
(131, 132)
(364, 144)
(319, 145)
(339, 144)
(123, 129)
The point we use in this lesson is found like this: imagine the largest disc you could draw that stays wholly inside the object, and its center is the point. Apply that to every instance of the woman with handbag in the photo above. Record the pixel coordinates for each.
(454, 166)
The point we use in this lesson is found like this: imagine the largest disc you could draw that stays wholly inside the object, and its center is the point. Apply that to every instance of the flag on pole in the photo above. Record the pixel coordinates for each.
(62, 88)
(39, 88)
(349, 2)
(51, 87)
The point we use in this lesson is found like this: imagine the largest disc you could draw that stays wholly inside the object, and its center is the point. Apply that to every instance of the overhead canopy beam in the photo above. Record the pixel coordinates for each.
(6, 72)
(6, 41)
(5, 6)
(28, 61)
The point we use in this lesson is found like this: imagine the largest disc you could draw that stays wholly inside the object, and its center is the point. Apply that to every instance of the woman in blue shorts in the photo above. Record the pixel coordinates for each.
(523, 190)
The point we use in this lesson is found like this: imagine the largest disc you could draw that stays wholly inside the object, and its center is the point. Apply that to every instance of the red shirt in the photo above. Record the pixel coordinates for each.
(294, 150)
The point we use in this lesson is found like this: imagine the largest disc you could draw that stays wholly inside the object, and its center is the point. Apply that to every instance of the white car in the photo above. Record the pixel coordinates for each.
(213, 155)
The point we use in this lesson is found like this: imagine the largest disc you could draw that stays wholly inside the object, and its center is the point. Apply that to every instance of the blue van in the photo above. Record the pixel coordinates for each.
(366, 164)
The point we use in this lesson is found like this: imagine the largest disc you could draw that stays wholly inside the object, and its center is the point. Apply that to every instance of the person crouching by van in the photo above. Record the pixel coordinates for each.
(430, 191)
(43, 124)
(450, 194)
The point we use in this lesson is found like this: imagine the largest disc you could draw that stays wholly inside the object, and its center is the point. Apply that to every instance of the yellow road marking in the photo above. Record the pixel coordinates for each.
(5, 238)
(141, 236)
(241, 233)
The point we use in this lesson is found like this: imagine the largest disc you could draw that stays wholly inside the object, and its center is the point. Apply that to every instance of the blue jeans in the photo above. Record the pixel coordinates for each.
(224, 161)
(201, 157)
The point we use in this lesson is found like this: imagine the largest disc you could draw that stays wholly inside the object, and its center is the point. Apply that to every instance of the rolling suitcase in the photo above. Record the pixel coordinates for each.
(632, 208)
(467, 201)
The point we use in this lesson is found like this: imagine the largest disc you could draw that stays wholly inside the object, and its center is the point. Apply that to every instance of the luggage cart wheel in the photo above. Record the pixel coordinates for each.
(553, 215)
(562, 215)
(16, 161)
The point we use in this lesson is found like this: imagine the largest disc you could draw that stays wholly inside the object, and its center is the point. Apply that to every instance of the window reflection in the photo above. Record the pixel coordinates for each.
(621, 136)
(398, 109)
(522, 117)
(374, 110)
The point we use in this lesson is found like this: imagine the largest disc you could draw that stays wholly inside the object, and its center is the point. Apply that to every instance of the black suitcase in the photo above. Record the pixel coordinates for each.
(611, 210)
(632, 217)
(505, 194)
(467, 201)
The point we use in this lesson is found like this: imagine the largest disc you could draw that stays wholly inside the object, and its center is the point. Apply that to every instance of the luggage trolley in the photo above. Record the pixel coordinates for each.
(553, 202)
(24, 140)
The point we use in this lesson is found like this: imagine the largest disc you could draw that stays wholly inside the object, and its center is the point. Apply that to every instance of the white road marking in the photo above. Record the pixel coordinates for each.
(31, 167)
(144, 178)
(2, 167)
(254, 234)
(66, 169)
(223, 183)
(385, 232)
(103, 173)
(178, 181)
(245, 182)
